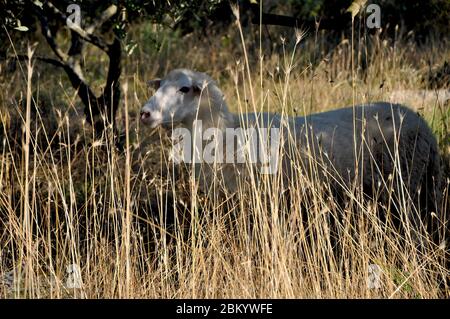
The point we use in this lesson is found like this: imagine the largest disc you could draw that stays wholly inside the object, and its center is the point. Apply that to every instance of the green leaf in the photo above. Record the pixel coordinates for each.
(38, 3)
(355, 7)
(129, 48)
(21, 28)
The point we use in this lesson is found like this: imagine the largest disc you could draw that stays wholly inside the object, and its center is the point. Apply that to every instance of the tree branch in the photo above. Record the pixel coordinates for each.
(288, 21)
(86, 36)
(54, 62)
(107, 103)
(49, 37)
(111, 92)
(106, 15)
(76, 79)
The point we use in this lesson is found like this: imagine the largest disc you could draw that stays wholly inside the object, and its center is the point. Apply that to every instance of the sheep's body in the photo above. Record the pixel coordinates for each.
(386, 135)
(390, 138)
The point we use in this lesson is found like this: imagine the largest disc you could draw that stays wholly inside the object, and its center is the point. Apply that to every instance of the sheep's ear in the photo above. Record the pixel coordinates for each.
(196, 89)
(198, 86)
(154, 84)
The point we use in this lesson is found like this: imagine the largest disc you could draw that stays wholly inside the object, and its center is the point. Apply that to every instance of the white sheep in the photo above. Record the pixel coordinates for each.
(391, 140)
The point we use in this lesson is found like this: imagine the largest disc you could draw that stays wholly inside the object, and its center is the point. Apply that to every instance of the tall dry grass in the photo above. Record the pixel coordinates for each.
(137, 226)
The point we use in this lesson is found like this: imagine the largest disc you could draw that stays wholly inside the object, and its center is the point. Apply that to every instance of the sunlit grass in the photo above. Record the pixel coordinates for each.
(71, 199)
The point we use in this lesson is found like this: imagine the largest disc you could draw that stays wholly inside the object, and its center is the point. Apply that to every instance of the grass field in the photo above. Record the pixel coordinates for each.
(68, 198)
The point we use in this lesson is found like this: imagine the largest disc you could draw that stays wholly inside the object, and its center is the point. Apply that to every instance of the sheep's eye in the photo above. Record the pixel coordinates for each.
(184, 89)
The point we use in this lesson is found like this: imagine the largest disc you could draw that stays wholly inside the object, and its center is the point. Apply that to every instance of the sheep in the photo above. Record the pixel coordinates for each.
(389, 139)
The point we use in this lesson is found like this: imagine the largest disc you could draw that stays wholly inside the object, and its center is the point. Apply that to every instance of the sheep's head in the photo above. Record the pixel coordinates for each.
(176, 99)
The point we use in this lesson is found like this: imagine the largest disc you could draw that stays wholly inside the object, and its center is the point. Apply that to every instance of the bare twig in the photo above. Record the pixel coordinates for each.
(54, 62)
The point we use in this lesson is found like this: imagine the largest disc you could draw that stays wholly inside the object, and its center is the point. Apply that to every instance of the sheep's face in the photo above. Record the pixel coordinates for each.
(175, 101)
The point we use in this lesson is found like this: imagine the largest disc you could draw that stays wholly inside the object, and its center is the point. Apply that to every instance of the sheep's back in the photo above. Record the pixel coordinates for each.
(389, 138)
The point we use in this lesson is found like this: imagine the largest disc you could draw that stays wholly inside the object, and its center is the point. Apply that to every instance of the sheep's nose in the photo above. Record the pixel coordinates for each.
(150, 118)
(145, 116)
